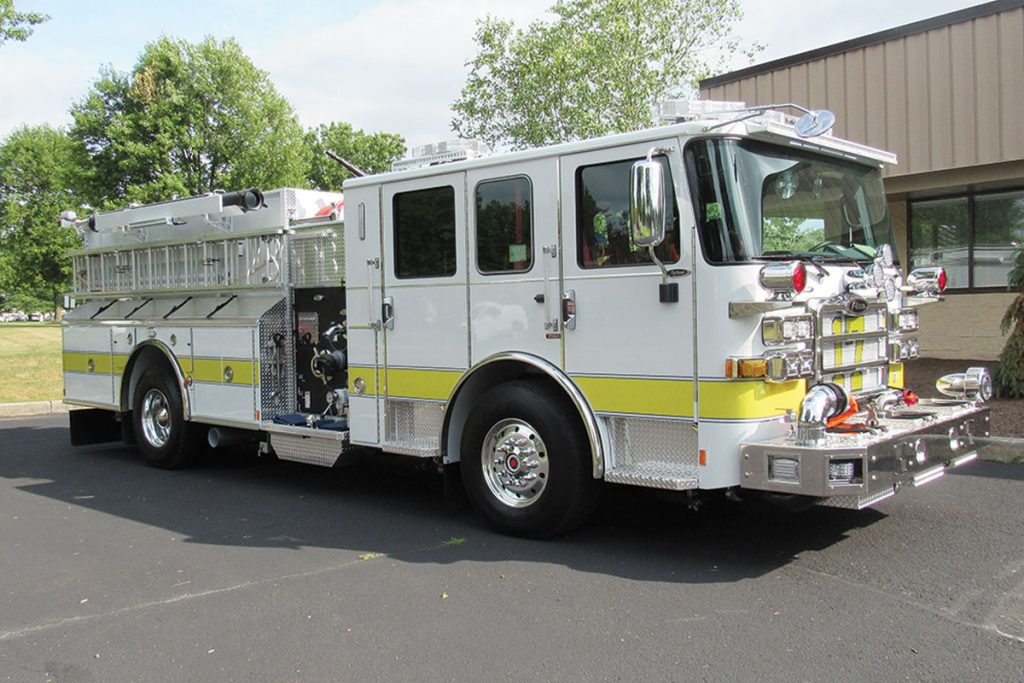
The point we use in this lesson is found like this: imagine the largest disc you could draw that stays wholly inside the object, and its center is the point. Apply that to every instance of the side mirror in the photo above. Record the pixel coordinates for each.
(647, 204)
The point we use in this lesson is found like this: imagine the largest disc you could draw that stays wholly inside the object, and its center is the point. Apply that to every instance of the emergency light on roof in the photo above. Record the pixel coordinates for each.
(673, 111)
(441, 153)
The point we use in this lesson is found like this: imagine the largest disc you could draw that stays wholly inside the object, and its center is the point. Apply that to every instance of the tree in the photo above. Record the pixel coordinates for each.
(597, 68)
(15, 25)
(36, 170)
(370, 152)
(189, 118)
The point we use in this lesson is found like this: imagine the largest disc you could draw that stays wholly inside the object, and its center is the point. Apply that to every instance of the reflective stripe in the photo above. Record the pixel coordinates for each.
(244, 372)
(668, 397)
(78, 361)
(368, 375)
(746, 400)
(214, 370)
(736, 400)
(419, 383)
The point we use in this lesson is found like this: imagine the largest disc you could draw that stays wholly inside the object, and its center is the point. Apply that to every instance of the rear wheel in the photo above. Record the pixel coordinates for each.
(526, 462)
(162, 434)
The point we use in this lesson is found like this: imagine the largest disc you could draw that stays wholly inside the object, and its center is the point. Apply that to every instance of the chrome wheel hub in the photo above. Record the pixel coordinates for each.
(156, 418)
(515, 463)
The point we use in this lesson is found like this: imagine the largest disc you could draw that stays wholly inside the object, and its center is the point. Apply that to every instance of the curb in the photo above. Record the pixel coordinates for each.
(32, 408)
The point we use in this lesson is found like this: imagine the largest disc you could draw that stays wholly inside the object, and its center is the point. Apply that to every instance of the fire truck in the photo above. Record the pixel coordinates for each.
(710, 305)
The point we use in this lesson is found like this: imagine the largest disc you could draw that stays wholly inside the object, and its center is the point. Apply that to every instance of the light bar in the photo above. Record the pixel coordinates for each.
(444, 152)
(690, 110)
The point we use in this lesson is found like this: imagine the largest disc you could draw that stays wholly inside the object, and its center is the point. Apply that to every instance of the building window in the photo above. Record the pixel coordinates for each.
(602, 217)
(972, 236)
(425, 232)
(504, 229)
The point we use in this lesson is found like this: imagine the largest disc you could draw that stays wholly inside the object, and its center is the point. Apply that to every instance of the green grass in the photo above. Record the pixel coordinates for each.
(30, 362)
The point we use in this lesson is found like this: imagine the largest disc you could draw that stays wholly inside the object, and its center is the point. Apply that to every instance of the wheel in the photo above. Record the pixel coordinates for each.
(526, 462)
(161, 432)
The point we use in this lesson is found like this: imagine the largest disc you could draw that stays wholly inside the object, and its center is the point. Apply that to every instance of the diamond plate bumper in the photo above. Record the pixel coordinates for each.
(912, 448)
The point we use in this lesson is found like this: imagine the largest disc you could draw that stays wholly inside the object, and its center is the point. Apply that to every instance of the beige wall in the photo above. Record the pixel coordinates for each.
(946, 98)
(964, 326)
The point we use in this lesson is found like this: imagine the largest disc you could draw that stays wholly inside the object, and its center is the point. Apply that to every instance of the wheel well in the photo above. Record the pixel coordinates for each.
(147, 357)
(489, 374)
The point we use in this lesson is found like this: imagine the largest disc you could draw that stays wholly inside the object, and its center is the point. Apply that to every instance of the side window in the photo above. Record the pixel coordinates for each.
(602, 218)
(425, 232)
(504, 225)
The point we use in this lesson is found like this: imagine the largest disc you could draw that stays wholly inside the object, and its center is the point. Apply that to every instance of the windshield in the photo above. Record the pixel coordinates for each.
(760, 201)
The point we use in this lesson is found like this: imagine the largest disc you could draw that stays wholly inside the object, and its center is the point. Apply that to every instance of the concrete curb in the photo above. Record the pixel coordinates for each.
(32, 408)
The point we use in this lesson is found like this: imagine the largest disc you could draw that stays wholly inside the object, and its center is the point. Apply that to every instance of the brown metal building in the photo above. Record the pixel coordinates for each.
(947, 95)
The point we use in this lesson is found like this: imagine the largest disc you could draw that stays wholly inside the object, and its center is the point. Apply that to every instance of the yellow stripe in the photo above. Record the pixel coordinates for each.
(854, 325)
(76, 361)
(430, 384)
(674, 398)
(747, 400)
(367, 374)
(858, 354)
(856, 380)
(669, 397)
(896, 375)
(243, 372)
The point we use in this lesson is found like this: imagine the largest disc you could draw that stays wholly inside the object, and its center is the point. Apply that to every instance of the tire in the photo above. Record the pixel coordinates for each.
(526, 461)
(163, 436)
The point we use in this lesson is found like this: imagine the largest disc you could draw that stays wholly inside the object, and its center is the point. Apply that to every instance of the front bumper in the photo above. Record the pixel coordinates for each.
(912, 448)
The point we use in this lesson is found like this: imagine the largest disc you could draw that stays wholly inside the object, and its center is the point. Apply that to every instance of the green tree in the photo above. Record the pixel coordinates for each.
(15, 25)
(189, 118)
(370, 152)
(598, 67)
(36, 170)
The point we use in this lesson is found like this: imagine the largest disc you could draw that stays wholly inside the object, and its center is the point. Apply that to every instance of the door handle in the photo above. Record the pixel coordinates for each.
(569, 309)
(539, 298)
(387, 312)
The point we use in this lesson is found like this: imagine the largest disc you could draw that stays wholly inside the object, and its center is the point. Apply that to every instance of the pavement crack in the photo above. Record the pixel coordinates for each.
(15, 633)
(948, 614)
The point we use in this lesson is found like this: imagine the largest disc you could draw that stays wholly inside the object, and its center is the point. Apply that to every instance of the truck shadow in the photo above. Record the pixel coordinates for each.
(395, 506)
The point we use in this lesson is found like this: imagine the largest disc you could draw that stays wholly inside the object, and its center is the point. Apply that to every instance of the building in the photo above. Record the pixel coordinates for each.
(946, 95)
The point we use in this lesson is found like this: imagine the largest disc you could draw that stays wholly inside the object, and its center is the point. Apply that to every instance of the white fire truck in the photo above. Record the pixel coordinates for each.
(708, 305)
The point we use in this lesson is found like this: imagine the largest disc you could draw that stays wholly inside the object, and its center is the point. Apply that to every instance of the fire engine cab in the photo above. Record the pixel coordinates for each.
(708, 305)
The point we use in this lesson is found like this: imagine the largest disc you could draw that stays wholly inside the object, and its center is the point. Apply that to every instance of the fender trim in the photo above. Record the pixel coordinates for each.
(590, 423)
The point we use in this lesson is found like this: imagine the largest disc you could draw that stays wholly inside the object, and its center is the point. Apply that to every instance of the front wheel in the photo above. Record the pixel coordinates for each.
(526, 462)
(162, 434)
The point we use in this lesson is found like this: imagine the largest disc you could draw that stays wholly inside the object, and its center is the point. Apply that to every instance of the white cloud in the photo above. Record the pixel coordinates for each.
(37, 90)
(395, 67)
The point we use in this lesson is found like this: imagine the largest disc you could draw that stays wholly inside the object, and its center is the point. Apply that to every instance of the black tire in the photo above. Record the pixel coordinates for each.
(162, 434)
(532, 430)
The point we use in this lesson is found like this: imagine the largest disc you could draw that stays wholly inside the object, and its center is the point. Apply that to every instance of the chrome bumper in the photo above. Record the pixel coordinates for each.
(913, 447)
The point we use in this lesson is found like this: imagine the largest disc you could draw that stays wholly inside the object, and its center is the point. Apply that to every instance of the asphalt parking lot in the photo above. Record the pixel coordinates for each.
(245, 570)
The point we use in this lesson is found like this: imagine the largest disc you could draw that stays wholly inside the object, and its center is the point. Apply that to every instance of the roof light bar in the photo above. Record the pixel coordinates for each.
(444, 152)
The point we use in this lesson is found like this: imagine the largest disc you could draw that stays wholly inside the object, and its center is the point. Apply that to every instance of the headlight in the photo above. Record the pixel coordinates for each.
(903, 349)
(776, 331)
(906, 321)
(786, 366)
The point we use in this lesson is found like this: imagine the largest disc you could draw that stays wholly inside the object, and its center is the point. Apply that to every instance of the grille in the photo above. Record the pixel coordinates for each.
(852, 349)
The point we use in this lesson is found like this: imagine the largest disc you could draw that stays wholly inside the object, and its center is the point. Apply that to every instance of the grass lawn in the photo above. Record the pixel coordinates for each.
(30, 362)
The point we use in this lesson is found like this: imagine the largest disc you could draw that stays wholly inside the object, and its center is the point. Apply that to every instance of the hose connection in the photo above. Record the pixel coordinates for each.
(821, 403)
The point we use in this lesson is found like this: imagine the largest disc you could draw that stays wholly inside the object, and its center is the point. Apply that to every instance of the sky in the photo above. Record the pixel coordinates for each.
(381, 65)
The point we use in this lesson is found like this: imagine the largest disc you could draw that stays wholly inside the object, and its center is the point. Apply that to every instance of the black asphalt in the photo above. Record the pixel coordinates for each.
(245, 570)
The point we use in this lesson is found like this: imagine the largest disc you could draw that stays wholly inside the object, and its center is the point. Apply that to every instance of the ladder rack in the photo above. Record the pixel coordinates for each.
(294, 243)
